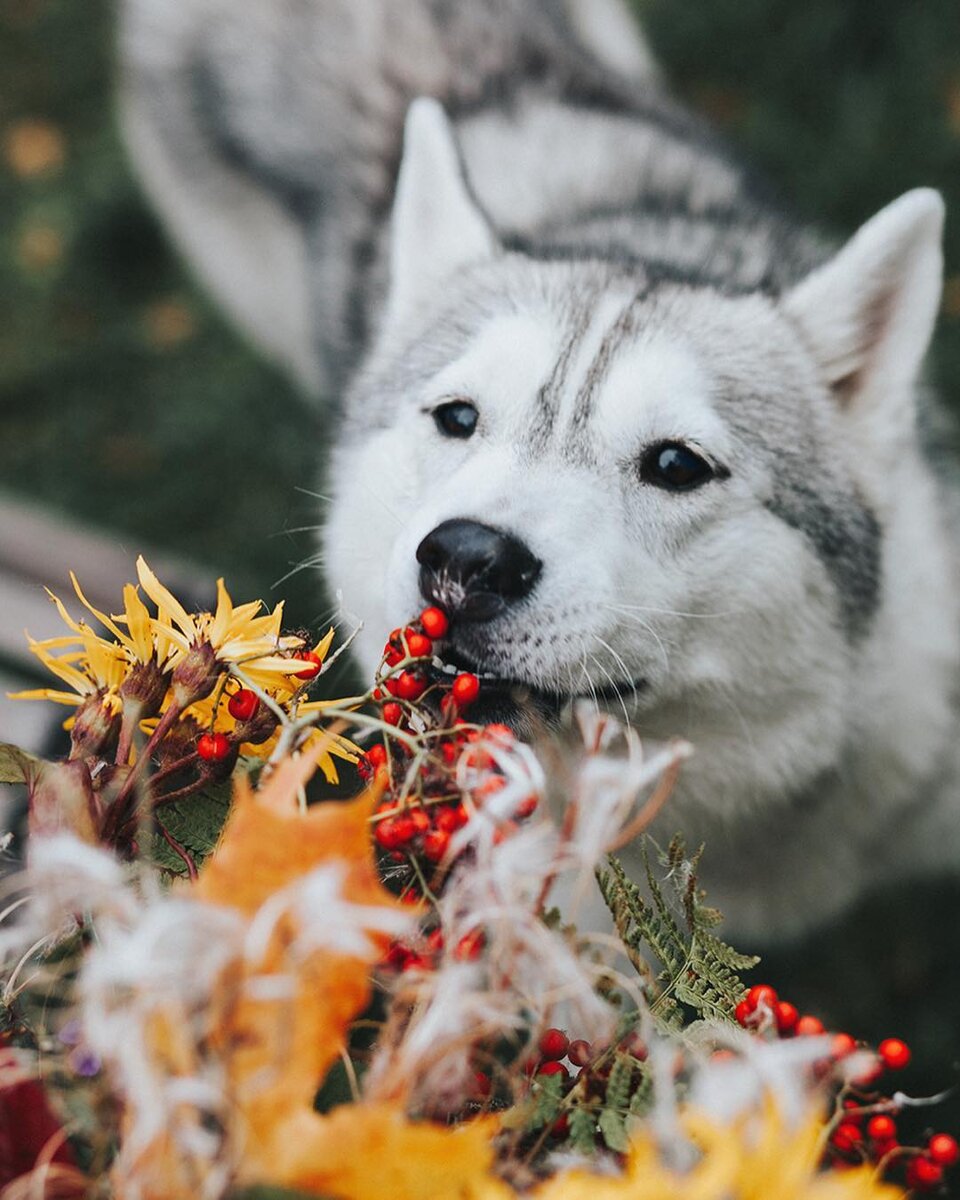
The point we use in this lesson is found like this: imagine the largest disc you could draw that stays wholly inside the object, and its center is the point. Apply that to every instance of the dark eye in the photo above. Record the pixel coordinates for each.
(676, 467)
(456, 418)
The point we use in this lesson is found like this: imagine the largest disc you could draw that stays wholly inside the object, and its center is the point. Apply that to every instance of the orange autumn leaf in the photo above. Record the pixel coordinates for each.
(280, 1047)
(371, 1151)
(270, 842)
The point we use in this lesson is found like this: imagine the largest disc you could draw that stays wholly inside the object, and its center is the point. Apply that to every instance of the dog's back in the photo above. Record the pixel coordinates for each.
(270, 135)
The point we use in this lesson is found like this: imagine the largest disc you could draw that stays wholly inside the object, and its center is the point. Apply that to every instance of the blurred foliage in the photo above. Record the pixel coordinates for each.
(125, 400)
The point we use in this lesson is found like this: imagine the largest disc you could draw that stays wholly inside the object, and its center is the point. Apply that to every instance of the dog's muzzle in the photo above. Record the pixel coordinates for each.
(474, 571)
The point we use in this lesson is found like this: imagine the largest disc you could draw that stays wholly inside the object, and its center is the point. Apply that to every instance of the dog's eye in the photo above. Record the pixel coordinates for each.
(676, 467)
(456, 418)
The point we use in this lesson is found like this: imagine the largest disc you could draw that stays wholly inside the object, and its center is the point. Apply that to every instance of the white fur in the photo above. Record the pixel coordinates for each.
(726, 612)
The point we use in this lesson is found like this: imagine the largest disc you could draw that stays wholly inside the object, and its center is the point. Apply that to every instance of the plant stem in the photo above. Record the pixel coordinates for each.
(116, 812)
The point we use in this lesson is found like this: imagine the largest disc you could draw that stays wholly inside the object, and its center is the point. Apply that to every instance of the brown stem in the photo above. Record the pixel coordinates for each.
(179, 764)
(181, 851)
(117, 811)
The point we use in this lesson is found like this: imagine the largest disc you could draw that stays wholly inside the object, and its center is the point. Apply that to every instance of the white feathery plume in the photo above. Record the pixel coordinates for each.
(64, 880)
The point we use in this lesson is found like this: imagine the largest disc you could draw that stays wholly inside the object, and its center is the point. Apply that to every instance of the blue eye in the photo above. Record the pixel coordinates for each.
(675, 467)
(456, 418)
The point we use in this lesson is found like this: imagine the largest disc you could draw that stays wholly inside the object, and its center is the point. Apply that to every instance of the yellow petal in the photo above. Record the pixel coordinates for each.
(165, 599)
(104, 620)
(137, 617)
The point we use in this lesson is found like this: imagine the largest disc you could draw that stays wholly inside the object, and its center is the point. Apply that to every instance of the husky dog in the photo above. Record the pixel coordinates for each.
(645, 438)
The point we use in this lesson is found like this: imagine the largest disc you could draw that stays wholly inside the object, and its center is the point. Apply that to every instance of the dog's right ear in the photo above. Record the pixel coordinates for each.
(437, 227)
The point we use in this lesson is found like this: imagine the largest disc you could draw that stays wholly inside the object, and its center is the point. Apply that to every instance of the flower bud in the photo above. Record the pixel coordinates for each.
(96, 726)
(145, 688)
(62, 799)
(196, 676)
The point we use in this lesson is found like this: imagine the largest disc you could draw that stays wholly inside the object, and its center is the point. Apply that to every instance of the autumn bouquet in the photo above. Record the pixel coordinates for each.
(216, 980)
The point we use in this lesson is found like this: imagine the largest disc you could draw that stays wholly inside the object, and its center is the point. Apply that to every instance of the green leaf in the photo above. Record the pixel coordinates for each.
(196, 822)
(583, 1130)
(548, 1101)
(15, 764)
(614, 1129)
(697, 969)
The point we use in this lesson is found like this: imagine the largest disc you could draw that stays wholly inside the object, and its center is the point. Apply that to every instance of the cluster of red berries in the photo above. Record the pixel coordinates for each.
(762, 1011)
(579, 1063)
(254, 723)
(860, 1137)
(404, 673)
(419, 817)
(426, 956)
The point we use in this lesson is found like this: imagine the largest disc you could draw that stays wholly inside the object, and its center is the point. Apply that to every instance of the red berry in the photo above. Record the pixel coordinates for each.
(213, 747)
(634, 1045)
(809, 1026)
(421, 822)
(553, 1068)
(313, 669)
(762, 994)
(377, 754)
(470, 946)
(561, 1126)
(446, 819)
(243, 704)
(869, 1074)
(553, 1044)
(410, 686)
(417, 962)
(404, 829)
(743, 1013)
(435, 940)
(481, 1084)
(434, 622)
(841, 1045)
(435, 844)
(580, 1052)
(943, 1149)
(882, 1128)
(418, 644)
(392, 713)
(787, 1016)
(846, 1136)
(498, 732)
(527, 807)
(894, 1053)
(386, 833)
(882, 1149)
(450, 752)
(392, 686)
(923, 1174)
(465, 689)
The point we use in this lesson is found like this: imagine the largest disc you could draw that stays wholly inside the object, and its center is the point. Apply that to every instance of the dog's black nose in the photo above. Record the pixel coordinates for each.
(474, 571)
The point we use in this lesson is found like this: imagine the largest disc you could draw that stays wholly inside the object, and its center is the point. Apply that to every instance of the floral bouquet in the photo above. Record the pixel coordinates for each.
(216, 980)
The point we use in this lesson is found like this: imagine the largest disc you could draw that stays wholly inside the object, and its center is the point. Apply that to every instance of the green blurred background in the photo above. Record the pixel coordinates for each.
(124, 399)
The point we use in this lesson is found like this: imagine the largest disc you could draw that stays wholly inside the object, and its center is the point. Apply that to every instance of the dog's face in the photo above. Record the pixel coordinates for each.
(623, 487)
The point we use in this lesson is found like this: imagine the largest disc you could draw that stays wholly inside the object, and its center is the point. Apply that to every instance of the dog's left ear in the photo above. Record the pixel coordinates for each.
(437, 226)
(868, 314)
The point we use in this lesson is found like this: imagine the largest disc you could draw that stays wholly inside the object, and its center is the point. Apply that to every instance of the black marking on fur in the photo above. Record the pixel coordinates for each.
(621, 331)
(848, 540)
(213, 118)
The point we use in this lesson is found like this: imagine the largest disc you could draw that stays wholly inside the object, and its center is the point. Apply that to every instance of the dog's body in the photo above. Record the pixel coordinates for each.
(606, 348)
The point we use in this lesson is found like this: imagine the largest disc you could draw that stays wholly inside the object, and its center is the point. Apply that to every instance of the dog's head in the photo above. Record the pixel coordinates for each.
(626, 486)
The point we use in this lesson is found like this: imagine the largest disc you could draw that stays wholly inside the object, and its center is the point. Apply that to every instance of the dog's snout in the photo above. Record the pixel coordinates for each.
(474, 570)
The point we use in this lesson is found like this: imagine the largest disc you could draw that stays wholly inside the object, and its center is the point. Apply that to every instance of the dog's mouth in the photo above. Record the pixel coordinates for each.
(523, 704)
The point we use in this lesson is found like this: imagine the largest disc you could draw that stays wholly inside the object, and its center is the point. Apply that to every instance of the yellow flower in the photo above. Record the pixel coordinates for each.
(96, 670)
(235, 632)
(757, 1157)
